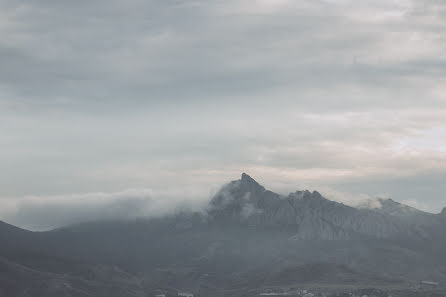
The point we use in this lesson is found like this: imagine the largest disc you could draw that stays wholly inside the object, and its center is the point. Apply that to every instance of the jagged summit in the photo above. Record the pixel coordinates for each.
(247, 183)
(305, 194)
(443, 212)
(239, 196)
(246, 177)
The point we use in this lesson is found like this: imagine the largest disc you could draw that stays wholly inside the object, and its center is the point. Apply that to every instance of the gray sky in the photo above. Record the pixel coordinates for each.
(106, 106)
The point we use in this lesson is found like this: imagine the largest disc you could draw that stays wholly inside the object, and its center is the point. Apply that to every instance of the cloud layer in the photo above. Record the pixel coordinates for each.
(101, 96)
(49, 212)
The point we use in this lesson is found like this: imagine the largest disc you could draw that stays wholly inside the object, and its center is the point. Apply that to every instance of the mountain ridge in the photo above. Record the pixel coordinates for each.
(247, 236)
(314, 216)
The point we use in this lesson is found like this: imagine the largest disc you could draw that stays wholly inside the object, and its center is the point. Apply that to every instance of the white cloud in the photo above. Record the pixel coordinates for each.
(416, 203)
(47, 212)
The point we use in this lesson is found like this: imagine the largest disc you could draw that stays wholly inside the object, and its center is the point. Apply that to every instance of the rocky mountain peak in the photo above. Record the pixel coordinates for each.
(241, 198)
(247, 178)
(247, 184)
(307, 195)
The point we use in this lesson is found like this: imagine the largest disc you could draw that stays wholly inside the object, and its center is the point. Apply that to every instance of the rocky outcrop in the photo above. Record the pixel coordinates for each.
(309, 214)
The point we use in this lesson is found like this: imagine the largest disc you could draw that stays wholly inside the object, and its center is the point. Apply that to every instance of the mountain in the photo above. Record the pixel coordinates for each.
(308, 214)
(389, 206)
(248, 238)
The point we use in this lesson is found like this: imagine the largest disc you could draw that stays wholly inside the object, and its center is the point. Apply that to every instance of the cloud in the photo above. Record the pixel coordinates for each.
(249, 210)
(105, 96)
(44, 213)
(417, 204)
(201, 48)
(357, 200)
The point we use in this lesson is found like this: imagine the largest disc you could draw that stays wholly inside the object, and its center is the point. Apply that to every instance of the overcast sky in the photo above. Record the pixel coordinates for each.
(116, 108)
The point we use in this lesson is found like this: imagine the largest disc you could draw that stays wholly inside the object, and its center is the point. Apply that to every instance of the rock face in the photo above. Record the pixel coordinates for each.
(443, 212)
(309, 214)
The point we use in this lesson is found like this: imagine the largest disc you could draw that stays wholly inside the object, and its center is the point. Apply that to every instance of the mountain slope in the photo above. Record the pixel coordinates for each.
(18, 280)
(248, 236)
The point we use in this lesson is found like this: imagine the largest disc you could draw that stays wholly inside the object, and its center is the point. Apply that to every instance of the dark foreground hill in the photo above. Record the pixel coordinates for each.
(248, 238)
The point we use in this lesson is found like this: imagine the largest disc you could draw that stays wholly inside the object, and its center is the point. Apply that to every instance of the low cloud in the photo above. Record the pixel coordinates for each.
(357, 200)
(417, 204)
(48, 212)
(366, 201)
(249, 210)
